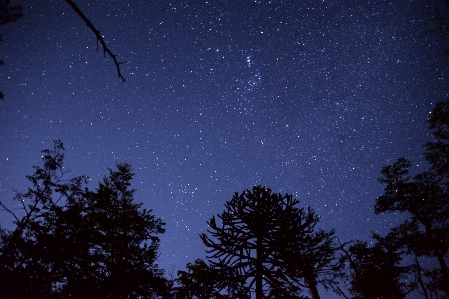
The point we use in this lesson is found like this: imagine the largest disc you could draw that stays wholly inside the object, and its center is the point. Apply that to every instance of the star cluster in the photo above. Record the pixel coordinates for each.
(310, 98)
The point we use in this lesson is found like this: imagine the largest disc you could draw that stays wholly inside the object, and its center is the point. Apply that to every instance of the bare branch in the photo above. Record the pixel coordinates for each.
(341, 292)
(19, 198)
(9, 211)
(99, 37)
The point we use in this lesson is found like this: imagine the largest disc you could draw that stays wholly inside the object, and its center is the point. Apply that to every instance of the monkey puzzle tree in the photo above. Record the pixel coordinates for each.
(262, 238)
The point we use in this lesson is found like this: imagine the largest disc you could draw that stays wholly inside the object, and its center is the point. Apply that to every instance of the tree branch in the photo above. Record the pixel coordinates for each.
(99, 37)
(9, 211)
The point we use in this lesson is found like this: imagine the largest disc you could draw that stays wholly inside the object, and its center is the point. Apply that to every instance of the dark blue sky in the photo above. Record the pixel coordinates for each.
(310, 98)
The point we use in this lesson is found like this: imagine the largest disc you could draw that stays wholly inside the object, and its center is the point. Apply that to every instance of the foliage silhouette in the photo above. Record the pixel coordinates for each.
(9, 13)
(73, 242)
(204, 282)
(376, 272)
(267, 241)
(425, 198)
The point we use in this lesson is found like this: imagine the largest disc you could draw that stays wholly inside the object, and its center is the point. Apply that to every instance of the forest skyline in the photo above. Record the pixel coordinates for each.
(329, 93)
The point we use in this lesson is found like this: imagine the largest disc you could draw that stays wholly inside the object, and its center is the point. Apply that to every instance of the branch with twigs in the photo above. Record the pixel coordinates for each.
(99, 37)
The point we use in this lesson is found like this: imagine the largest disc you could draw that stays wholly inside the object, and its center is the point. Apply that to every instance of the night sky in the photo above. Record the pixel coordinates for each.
(309, 98)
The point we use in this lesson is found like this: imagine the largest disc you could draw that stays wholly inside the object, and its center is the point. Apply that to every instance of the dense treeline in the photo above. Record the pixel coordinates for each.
(72, 242)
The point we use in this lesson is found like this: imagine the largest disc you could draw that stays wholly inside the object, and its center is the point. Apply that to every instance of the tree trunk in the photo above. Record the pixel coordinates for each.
(259, 269)
(419, 277)
(312, 284)
(439, 253)
(444, 273)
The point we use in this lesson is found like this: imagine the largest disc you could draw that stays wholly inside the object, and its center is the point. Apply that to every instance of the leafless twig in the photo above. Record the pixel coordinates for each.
(9, 211)
(99, 37)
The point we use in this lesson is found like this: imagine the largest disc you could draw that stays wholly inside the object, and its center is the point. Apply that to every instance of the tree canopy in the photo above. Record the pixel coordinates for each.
(425, 198)
(376, 271)
(74, 242)
(203, 282)
(268, 241)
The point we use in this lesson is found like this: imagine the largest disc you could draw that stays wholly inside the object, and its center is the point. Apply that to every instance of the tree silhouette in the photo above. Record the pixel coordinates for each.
(425, 197)
(125, 236)
(311, 256)
(198, 281)
(201, 281)
(437, 152)
(24, 267)
(376, 272)
(73, 242)
(266, 240)
(9, 13)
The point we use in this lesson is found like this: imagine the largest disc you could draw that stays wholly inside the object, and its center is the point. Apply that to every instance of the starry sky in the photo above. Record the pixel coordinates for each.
(309, 98)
